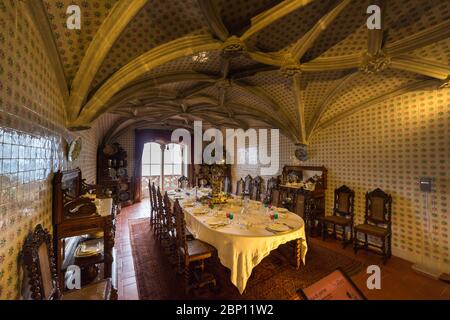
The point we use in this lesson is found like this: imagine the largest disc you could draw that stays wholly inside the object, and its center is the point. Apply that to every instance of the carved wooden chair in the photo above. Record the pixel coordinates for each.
(183, 182)
(240, 187)
(275, 197)
(170, 229)
(343, 213)
(377, 223)
(271, 183)
(248, 183)
(43, 277)
(255, 193)
(159, 228)
(154, 206)
(193, 252)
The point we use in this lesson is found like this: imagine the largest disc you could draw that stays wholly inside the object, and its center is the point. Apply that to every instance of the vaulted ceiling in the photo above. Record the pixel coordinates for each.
(298, 65)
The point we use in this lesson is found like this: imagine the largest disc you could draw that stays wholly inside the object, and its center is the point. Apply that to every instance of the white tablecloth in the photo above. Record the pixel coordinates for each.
(242, 244)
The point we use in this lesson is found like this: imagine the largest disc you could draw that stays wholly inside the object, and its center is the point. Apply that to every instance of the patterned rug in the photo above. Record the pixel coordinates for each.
(274, 278)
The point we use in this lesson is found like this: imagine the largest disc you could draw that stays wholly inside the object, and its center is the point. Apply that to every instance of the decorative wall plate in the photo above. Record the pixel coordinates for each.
(301, 153)
(110, 150)
(123, 187)
(122, 172)
(124, 196)
(74, 149)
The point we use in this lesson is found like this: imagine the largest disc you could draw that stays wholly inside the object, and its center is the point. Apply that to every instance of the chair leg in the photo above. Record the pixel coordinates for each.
(186, 277)
(366, 242)
(344, 237)
(389, 246)
(383, 249)
(324, 230)
(355, 242)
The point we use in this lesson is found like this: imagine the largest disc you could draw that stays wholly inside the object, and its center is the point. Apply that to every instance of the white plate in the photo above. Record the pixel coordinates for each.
(278, 227)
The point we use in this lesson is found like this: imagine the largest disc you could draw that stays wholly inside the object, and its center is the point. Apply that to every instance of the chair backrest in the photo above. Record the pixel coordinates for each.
(344, 199)
(255, 193)
(159, 200)
(150, 194)
(240, 187)
(41, 266)
(168, 212)
(180, 226)
(275, 197)
(183, 182)
(300, 203)
(271, 183)
(155, 202)
(378, 207)
(227, 184)
(248, 181)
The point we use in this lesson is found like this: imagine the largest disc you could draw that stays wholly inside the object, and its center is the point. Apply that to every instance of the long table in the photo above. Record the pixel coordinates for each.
(242, 242)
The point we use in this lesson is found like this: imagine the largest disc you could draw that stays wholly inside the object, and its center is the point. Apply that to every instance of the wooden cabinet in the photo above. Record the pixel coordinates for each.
(74, 218)
(307, 203)
(112, 173)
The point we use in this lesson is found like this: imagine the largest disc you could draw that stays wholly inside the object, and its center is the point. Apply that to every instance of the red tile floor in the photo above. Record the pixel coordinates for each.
(398, 280)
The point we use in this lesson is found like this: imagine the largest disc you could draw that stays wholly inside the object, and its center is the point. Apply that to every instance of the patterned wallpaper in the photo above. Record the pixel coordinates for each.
(32, 138)
(391, 145)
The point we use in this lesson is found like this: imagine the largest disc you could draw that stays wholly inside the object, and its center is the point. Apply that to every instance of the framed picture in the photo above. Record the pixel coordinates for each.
(335, 286)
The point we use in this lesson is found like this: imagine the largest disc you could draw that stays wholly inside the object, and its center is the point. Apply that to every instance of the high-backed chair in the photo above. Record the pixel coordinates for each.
(248, 183)
(377, 223)
(240, 187)
(255, 193)
(271, 183)
(183, 182)
(154, 207)
(343, 213)
(170, 229)
(275, 197)
(227, 185)
(191, 252)
(159, 215)
(43, 277)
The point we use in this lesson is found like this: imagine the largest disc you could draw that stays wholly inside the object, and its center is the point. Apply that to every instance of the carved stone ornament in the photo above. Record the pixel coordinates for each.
(446, 83)
(233, 46)
(290, 69)
(376, 63)
(223, 84)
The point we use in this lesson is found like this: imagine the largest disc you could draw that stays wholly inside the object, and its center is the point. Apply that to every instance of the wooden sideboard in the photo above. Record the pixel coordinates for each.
(74, 218)
(309, 204)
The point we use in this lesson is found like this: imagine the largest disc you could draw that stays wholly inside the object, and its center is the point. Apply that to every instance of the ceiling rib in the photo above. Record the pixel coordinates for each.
(212, 16)
(118, 19)
(167, 52)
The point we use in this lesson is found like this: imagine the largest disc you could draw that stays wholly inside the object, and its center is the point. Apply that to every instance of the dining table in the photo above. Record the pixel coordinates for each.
(242, 231)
